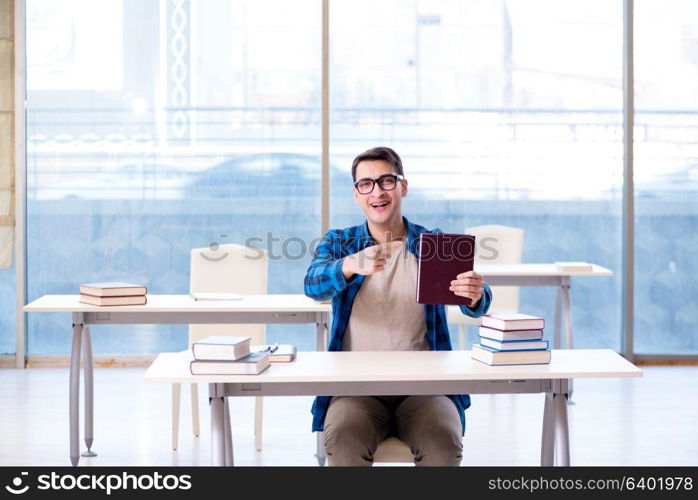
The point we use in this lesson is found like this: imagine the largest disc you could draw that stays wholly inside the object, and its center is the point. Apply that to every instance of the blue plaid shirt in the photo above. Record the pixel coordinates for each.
(325, 280)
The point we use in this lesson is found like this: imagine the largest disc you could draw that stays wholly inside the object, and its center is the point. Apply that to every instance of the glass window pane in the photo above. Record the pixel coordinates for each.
(504, 113)
(155, 127)
(666, 177)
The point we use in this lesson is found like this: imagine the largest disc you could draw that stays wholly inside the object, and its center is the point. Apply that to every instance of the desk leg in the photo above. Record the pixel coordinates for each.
(558, 316)
(322, 343)
(547, 448)
(321, 332)
(74, 390)
(217, 428)
(228, 434)
(567, 313)
(320, 455)
(195, 409)
(562, 436)
(88, 371)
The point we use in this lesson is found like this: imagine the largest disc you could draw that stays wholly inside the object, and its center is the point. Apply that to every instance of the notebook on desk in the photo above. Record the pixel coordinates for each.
(442, 257)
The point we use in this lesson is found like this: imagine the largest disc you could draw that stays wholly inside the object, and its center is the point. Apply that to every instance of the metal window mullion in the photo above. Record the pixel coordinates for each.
(628, 191)
(20, 180)
(325, 113)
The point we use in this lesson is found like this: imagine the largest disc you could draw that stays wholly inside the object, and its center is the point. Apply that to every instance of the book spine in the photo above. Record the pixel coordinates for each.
(512, 341)
(419, 266)
(101, 293)
(504, 327)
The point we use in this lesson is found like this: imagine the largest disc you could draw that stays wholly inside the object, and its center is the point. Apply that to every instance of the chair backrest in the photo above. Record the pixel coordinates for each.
(230, 268)
(499, 245)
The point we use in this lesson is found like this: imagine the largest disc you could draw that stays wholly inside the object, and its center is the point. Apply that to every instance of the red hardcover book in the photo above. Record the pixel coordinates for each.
(442, 257)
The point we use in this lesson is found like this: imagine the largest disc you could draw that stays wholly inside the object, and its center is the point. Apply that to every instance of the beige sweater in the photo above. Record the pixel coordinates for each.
(385, 315)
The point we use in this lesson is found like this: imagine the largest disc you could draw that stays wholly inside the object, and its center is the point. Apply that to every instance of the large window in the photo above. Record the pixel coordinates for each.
(504, 113)
(666, 176)
(157, 127)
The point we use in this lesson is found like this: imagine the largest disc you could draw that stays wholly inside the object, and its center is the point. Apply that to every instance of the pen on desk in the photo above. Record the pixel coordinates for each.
(270, 348)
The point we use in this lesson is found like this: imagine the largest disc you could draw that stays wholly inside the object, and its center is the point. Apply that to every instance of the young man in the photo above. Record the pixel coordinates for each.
(370, 272)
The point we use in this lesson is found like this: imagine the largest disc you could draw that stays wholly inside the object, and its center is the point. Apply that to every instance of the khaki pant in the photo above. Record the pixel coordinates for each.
(429, 425)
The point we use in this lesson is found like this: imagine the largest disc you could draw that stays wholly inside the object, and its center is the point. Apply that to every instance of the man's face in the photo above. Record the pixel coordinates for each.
(380, 207)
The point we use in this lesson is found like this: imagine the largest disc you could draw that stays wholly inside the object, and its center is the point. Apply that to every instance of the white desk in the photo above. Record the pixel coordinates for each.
(400, 373)
(533, 275)
(166, 309)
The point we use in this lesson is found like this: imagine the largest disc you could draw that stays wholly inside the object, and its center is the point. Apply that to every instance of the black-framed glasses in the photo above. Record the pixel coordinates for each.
(387, 182)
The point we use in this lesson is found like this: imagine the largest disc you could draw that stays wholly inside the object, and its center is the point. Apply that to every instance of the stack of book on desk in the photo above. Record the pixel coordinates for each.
(113, 294)
(221, 355)
(512, 339)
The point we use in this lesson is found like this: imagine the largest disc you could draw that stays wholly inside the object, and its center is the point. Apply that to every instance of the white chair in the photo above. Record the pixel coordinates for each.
(495, 245)
(390, 450)
(229, 269)
(393, 450)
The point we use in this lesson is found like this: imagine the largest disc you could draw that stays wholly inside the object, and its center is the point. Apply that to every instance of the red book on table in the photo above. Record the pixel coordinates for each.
(442, 257)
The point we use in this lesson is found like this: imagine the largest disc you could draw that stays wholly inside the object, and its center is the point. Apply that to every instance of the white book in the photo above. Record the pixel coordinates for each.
(221, 348)
(579, 267)
(252, 364)
(216, 296)
(112, 289)
(115, 300)
(491, 333)
(513, 345)
(513, 321)
(495, 358)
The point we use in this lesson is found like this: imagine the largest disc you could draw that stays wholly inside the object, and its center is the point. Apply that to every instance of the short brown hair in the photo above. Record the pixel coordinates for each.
(380, 153)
